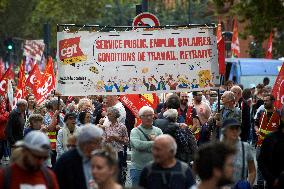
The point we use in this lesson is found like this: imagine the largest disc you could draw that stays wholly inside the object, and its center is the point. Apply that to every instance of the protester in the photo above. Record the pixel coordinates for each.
(31, 105)
(203, 112)
(166, 171)
(238, 95)
(105, 167)
(53, 120)
(16, 122)
(227, 111)
(27, 169)
(73, 168)
(270, 159)
(35, 123)
(112, 101)
(141, 141)
(4, 115)
(244, 159)
(84, 118)
(85, 104)
(266, 81)
(186, 144)
(116, 135)
(246, 115)
(65, 132)
(266, 121)
(214, 164)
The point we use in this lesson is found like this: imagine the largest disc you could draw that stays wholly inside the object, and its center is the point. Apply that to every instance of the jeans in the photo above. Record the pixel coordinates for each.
(135, 176)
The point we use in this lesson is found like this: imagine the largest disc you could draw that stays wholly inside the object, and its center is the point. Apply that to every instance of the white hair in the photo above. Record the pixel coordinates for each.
(171, 142)
(145, 109)
(21, 102)
(171, 114)
(88, 134)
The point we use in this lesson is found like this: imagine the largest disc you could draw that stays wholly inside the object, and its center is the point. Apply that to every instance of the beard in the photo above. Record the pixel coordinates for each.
(224, 181)
(184, 102)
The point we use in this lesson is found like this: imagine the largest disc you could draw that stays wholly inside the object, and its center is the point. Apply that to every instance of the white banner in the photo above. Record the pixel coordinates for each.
(34, 49)
(96, 63)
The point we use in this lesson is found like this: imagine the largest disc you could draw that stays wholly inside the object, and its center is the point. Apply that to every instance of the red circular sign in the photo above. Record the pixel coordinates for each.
(146, 19)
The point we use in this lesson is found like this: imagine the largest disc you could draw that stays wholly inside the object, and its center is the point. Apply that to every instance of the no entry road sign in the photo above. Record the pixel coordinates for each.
(145, 19)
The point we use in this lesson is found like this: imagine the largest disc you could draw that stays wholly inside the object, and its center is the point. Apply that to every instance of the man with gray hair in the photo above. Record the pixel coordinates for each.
(166, 171)
(229, 110)
(141, 141)
(16, 122)
(73, 168)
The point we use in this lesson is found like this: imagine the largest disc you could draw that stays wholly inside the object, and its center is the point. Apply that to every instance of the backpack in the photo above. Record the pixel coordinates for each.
(186, 144)
(182, 172)
(8, 173)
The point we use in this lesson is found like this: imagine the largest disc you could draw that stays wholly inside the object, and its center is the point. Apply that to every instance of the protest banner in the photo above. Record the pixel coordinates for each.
(136, 62)
(34, 49)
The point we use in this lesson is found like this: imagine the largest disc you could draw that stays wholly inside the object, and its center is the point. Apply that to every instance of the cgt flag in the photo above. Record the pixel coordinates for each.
(20, 90)
(33, 81)
(136, 101)
(278, 89)
(269, 47)
(4, 81)
(235, 46)
(47, 84)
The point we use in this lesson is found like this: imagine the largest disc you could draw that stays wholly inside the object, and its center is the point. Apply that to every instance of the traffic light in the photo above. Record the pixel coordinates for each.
(9, 44)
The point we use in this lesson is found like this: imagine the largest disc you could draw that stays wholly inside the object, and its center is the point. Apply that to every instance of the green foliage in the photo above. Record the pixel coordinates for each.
(260, 17)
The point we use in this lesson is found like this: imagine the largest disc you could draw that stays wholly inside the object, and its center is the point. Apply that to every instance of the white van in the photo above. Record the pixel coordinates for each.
(248, 71)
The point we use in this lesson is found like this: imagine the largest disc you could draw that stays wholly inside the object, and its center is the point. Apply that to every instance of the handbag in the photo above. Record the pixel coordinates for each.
(243, 183)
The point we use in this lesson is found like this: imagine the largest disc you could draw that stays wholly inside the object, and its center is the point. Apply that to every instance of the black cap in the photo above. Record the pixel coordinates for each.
(231, 122)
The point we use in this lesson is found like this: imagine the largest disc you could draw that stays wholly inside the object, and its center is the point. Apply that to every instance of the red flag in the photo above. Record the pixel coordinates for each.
(221, 50)
(33, 81)
(4, 81)
(269, 47)
(20, 90)
(278, 89)
(135, 101)
(47, 84)
(235, 45)
(2, 67)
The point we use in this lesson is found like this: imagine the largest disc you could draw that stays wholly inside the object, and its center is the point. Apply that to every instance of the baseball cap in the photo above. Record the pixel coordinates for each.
(35, 141)
(231, 122)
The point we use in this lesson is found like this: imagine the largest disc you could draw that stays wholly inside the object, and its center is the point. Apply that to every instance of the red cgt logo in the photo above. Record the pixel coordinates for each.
(70, 51)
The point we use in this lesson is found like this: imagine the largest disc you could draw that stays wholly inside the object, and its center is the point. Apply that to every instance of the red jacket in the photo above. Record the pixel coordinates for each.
(3, 121)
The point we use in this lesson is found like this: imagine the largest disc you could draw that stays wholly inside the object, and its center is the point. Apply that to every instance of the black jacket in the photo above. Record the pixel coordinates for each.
(15, 127)
(270, 160)
(69, 171)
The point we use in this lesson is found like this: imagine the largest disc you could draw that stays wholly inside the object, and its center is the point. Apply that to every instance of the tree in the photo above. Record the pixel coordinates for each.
(261, 17)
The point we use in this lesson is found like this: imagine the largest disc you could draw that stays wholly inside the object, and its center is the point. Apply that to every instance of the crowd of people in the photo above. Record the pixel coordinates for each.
(195, 140)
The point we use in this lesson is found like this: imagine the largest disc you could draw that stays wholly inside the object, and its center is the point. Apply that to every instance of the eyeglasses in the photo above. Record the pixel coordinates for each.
(147, 116)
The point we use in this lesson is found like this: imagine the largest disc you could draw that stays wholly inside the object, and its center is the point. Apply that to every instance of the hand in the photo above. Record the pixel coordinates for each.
(183, 125)
(57, 127)
(217, 116)
(152, 137)
(102, 120)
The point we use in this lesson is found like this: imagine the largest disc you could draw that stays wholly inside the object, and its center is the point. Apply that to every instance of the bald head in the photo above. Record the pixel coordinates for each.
(167, 141)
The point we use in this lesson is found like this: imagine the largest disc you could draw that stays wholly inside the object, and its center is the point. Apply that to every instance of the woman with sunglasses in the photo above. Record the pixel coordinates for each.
(105, 168)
